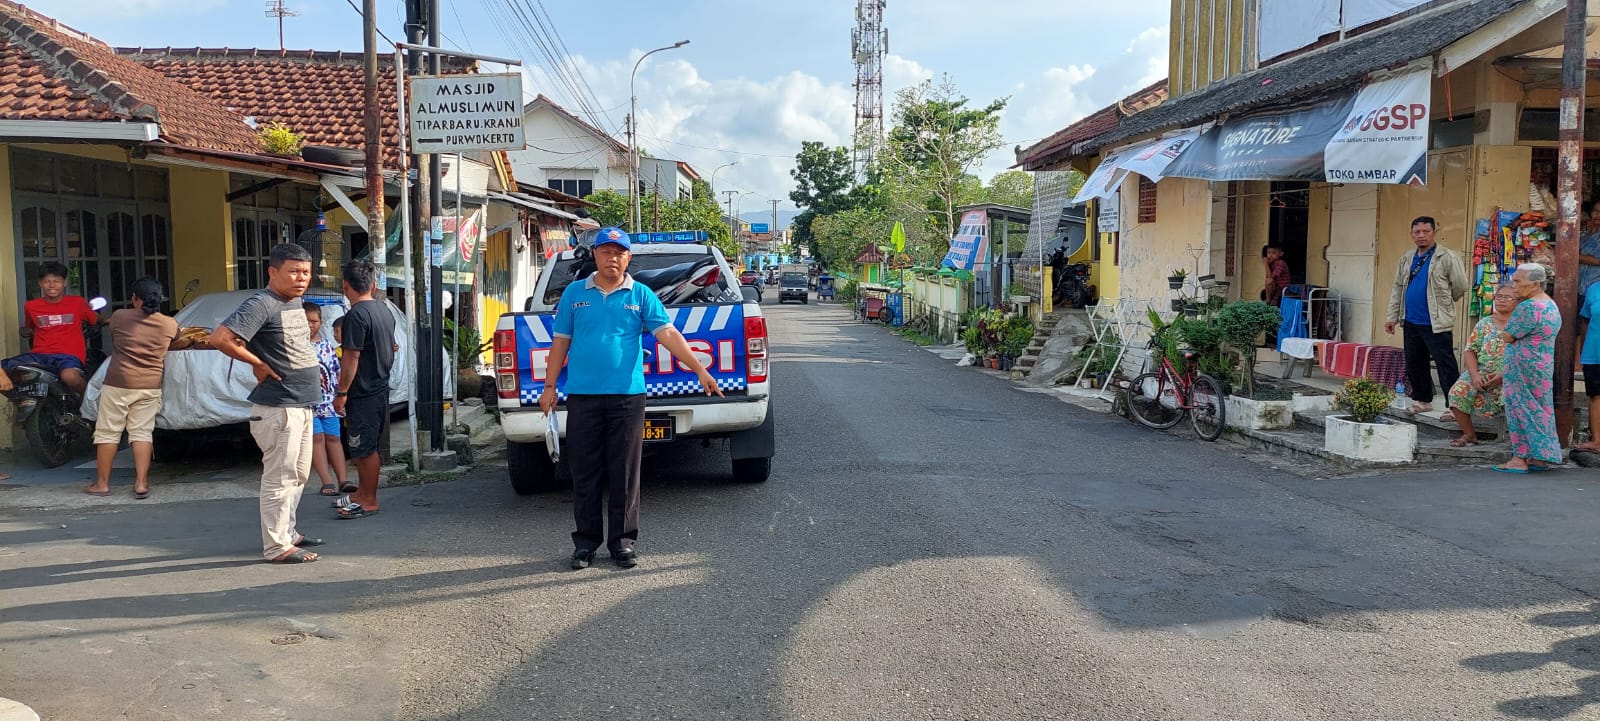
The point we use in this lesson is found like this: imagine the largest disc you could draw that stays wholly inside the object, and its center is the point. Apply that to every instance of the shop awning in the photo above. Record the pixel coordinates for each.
(531, 203)
(1375, 134)
(1149, 158)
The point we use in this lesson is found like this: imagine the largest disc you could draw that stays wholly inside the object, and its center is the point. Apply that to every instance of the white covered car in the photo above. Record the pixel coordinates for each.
(203, 388)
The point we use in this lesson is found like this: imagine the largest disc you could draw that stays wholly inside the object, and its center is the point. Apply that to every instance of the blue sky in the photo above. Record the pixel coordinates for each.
(756, 79)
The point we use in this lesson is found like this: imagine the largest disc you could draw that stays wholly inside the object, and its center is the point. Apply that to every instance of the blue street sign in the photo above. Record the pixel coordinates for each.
(760, 228)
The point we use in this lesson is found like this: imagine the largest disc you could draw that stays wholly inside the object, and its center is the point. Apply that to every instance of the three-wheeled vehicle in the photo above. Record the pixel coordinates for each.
(872, 302)
(824, 287)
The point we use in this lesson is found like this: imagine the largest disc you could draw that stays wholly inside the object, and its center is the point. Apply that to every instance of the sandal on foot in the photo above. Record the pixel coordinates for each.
(1535, 468)
(1418, 409)
(309, 542)
(298, 555)
(348, 487)
(141, 495)
(355, 510)
(100, 494)
(1504, 469)
(1463, 442)
(329, 489)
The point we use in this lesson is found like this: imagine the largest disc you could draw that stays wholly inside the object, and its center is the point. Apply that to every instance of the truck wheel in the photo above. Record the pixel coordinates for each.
(751, 470)
(529, 468)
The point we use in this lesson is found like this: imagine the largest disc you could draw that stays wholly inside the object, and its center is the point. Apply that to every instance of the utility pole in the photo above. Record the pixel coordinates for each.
(1569, 176)
(655, 222)
(772, 230)
(377, 237)
(416, 24)
(435, 393)
(733, 227)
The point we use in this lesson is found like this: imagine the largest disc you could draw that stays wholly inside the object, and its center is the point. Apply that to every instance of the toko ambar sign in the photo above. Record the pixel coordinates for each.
(451, 113)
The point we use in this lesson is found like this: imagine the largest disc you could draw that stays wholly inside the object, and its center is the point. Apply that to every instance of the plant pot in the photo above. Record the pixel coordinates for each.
(1174, 282)
(1255, 415)
(992, 362)
(1382, 441)
(468, 383)
(1177, 305)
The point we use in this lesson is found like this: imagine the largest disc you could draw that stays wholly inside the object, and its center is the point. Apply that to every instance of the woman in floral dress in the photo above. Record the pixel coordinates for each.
(1477, 393)
(1530, 338)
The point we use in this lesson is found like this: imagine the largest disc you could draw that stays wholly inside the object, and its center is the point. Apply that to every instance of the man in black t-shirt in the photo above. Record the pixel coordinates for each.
(270, 333)
(363, 393)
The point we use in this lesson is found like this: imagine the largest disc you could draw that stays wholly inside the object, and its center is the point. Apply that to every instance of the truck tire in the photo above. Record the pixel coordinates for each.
(751, 470)
(529, 468)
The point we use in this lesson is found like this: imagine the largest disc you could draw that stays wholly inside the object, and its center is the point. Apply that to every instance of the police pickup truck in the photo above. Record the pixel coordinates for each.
(702, 297)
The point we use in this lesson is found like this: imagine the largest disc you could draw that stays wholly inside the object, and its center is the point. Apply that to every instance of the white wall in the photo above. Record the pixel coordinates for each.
(558, 147)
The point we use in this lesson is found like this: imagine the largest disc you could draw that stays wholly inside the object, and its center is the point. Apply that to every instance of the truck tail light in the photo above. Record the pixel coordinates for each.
(505, 363)
(755, 345)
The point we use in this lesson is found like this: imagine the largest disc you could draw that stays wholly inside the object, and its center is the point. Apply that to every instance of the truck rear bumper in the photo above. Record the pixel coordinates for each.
(718, 416)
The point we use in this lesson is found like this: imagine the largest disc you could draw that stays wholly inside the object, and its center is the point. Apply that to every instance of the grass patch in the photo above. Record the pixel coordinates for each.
(915, 336)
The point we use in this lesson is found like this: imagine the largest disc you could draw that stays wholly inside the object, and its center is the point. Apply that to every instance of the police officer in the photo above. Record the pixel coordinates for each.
(599, 322)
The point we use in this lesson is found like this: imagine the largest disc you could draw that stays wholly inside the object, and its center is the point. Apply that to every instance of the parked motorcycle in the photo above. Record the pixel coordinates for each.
(47, 409)
(694, 281)
(1072, 286)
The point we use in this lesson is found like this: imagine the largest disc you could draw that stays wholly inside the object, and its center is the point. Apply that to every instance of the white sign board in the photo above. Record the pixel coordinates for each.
(1384, 138)
(451, 113)
(1108, 216)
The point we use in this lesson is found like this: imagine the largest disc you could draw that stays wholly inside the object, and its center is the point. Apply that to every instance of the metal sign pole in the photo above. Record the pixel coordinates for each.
(455, 305)
(405, 254)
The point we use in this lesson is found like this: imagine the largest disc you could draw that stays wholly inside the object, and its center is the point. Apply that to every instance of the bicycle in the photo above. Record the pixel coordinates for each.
(1161, 398)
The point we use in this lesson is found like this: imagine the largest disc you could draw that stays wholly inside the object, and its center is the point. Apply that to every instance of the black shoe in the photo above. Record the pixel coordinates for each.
(581, 559)
(626, 558)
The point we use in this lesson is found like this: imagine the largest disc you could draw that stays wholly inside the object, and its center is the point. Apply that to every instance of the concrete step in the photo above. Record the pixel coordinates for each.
(1427, 428)
(1307, 443)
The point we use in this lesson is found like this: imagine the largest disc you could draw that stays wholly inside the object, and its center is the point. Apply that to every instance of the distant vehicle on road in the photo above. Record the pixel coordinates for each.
(750, 277)
(794, 285)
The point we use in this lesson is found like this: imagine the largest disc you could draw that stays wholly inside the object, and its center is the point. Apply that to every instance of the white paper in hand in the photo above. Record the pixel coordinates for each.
(552, 438)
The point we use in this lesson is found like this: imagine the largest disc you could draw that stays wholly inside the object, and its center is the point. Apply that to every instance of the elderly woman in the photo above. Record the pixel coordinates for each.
(1478, 392)
(1530, 337)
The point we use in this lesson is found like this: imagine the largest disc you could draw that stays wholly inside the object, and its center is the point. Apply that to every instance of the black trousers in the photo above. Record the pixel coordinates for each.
(605, 440)
(1423, 345)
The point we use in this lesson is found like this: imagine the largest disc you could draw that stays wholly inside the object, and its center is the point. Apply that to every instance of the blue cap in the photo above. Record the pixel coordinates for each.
(612, 236)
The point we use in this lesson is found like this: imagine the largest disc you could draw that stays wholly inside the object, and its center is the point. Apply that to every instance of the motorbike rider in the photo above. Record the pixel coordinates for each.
(55, 321)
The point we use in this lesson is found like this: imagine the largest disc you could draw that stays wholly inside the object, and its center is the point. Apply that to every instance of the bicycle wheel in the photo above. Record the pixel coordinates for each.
(1207, 407)
(1153, 401)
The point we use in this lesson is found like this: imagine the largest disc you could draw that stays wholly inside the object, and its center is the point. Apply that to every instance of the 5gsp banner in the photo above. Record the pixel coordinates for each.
(1375, 134)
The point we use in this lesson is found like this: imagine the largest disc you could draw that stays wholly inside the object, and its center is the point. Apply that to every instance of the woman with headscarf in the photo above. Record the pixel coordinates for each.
(1530, 337)
(131, 395)
(1478, 392)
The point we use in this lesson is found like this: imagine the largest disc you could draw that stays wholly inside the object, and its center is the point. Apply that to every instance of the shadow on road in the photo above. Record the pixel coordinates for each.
(1581, 652)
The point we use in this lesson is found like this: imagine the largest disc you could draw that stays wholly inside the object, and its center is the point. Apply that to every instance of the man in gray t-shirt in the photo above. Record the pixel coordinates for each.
(269, 332)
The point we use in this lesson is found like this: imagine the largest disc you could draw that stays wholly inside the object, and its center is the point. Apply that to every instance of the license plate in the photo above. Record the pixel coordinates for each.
(658, 429)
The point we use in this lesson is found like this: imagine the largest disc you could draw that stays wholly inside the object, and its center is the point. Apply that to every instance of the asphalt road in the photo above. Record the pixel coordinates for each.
(933, 544)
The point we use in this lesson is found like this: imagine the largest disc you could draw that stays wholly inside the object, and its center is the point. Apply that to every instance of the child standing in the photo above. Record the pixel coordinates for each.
(327, 455)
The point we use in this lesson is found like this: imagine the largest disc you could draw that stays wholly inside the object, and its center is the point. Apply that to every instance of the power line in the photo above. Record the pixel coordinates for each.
(358, 12)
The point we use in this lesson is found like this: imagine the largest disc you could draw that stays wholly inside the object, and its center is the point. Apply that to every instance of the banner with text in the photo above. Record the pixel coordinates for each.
(1384, 138)
(970, 242)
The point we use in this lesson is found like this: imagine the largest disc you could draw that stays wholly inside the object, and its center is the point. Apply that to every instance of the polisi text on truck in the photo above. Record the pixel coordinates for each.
(1400, 116)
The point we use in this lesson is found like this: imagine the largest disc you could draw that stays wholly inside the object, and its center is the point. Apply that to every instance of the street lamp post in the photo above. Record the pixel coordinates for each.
(633, 132)
(736, 222)
(713, 181)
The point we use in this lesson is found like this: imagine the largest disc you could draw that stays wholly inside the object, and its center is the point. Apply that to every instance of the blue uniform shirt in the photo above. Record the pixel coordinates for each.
(1417, 290)
(1591, 339)
(1588, 274)
(605, 328)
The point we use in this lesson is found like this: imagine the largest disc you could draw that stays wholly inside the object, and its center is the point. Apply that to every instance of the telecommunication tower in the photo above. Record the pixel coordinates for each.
(868, 43)
(276, 9)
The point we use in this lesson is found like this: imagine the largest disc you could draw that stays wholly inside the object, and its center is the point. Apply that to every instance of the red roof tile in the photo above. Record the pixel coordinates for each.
(1104, 120)
(318, 94)
(49, 71)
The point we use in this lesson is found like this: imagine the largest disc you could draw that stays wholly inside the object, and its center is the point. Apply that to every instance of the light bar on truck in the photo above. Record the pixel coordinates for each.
(676, 236)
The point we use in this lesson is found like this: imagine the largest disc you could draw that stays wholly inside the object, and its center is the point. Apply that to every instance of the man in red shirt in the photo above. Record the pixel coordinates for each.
(55, 321)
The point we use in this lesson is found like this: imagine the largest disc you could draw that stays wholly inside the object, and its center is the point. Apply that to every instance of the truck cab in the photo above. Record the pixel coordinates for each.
(728, 333)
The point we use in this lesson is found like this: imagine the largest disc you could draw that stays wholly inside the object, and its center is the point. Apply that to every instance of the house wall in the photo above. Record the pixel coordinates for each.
(1212, 40)
(202, 230)
(557, 143)
(1150, 251)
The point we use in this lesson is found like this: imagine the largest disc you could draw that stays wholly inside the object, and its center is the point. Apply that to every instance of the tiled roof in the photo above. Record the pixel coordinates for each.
(1058, 146)
(49, 71)
(1336, 66)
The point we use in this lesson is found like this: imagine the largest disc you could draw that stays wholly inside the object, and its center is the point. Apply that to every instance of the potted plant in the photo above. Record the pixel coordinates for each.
(277, 139)
(1361, 432)
(1175, 281)
(1019, 294)
(1018, 334)
(466, 348)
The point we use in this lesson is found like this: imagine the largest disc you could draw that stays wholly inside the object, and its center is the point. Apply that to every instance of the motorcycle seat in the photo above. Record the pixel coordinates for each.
(661, 276)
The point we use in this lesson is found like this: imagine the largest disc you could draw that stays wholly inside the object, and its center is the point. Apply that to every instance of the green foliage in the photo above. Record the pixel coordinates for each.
(822, 177)
(1018, 334)
(278, 139)
(465, 344)
(1011, 187)
(972, 338)
(1178, 273)
(936, 143)
(847, 293)
(1364, 399)
(1104, 354)
(610, 208)
(1242, 322)
(697, 213)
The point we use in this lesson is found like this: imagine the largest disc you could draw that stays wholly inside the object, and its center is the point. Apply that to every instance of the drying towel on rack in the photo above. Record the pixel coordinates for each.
(1346, 360)
(1303, 348)
(1293, 311)
(1387, 365)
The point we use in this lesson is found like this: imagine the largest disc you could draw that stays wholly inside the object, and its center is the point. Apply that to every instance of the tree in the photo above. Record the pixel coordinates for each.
(823, 177)
(935, 145)
(841, 237)
(610, 209)
(1012, 187)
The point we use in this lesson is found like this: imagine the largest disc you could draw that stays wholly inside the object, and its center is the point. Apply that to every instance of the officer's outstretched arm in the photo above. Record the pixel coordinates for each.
(675, 343)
